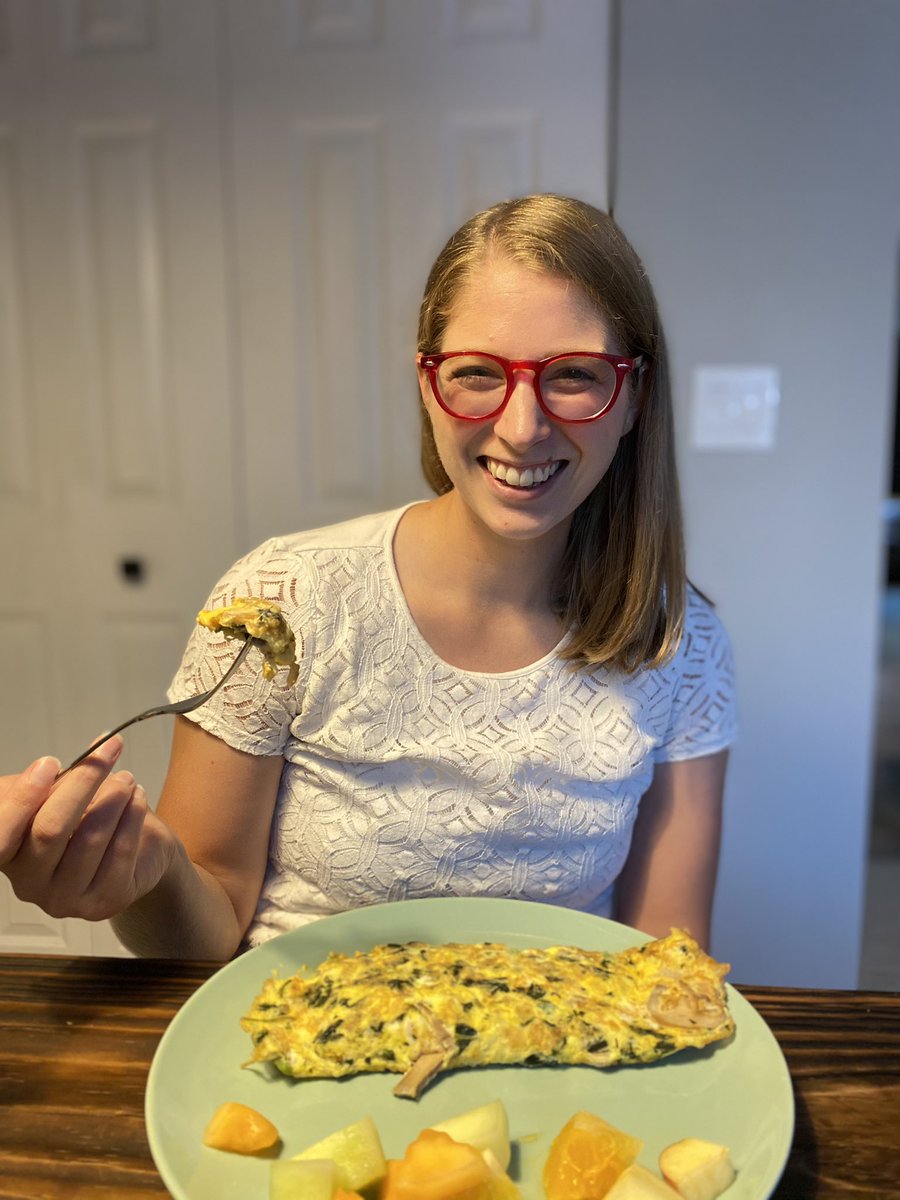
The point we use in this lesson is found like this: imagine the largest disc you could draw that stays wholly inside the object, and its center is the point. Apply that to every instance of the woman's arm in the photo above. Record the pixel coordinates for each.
(669, 877)
(219, 803)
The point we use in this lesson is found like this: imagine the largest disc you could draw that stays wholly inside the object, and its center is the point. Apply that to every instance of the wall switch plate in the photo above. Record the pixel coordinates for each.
(734, 408)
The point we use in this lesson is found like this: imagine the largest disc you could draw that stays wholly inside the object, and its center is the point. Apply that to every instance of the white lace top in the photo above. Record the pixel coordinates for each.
(407, 777)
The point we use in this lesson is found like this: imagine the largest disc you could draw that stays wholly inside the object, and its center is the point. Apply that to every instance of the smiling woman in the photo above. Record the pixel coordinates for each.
(508, 690)
(540, 321)
(624, 549)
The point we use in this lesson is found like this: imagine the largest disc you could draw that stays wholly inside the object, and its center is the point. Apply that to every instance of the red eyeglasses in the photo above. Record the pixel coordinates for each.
(474, 385)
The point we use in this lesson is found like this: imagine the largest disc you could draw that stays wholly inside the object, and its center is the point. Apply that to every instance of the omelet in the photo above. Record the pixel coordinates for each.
(417, 1009)
(262, 620)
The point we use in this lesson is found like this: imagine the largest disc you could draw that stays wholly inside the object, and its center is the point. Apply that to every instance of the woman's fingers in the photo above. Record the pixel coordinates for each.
(20, 798)
(136, 849)
(57, 818)
(93, 837)
(85, 845)
(119, 877)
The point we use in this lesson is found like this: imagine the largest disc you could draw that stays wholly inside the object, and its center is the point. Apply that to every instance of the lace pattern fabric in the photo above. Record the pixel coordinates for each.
(407, 777)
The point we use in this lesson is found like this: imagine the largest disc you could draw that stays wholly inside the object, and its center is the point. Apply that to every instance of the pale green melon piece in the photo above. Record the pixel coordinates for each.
(637, 1183)
(357, 1153)
(309, 1180)
(485, 1128)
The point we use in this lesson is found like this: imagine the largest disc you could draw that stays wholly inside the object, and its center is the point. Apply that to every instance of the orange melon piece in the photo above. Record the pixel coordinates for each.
(241, 1129)
(586, 1158)
(435, 1167)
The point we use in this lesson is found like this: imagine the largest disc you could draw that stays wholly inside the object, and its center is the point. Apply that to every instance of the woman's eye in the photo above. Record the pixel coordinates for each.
(572, 377)
(476, 377)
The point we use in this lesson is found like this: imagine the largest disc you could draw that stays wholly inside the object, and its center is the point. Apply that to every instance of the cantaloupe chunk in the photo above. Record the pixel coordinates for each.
(586, 1157)
(435, 1167)
(240, 1129)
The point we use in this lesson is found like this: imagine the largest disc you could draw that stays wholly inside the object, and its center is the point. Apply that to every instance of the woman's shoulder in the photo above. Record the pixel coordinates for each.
(371, 531)
(705, 635)
(282, 567)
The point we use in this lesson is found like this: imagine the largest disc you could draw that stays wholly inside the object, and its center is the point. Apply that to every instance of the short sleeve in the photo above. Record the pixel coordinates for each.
(703, 717)
(250, 713)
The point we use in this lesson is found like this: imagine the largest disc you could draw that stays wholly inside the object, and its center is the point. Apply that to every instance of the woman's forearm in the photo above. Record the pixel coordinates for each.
(187, 915)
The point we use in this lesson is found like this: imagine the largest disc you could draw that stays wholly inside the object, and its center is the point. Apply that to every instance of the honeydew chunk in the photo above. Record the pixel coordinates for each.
(312, 1179)
(500, 1186)
(698, 1170)
(637, 1183)
(485, 1128)
(356, 1152)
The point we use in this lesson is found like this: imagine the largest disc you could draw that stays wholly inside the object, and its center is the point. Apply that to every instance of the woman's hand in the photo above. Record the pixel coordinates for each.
(86, 846)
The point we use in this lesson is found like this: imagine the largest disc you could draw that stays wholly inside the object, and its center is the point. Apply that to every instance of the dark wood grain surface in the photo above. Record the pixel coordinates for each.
(77, 1036)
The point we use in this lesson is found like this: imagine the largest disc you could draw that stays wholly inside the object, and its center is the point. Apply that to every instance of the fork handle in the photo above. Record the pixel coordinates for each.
(178, 707)
(100, 740)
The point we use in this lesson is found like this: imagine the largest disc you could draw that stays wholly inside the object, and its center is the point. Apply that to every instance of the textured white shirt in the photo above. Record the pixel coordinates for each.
(406, 777)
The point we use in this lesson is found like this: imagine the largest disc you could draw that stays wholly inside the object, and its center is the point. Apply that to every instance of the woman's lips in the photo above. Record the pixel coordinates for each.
(522, 477)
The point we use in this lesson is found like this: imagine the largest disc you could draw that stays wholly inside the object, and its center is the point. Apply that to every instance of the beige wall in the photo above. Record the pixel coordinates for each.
(759, 175)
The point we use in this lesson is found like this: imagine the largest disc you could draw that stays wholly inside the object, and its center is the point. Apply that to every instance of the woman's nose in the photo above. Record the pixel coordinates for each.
(523, 422)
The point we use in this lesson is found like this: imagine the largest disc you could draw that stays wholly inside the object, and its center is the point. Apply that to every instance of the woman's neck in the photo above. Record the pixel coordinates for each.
(482, 602)
(462, 555)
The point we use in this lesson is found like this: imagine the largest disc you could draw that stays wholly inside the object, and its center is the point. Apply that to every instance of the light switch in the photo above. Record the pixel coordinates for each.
(735, 408)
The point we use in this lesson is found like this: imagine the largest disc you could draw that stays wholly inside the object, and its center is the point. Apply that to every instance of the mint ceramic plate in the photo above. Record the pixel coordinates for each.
(738, 1094)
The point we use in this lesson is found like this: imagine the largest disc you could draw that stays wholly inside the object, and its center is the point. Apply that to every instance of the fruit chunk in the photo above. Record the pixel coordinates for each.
(697, 1170)
(435, 1167)
(356, 1152)
(501, 1187)
(240, 1129)
(309, 1180)
(485, 1128)
(637, 1183)
(586, 1158)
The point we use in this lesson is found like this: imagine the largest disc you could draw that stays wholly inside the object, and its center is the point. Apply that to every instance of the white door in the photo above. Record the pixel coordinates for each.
(116, 509)
(215, 223)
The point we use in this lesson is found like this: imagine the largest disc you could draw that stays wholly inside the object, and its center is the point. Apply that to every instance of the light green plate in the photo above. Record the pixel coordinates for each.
(738, 1094)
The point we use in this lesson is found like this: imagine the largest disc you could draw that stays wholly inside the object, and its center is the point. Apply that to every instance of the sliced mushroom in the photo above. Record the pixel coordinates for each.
(685, 1008)
(438, 1047)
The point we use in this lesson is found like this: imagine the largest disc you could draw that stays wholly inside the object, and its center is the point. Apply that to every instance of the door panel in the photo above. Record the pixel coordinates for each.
(215, 222)
(115, 377)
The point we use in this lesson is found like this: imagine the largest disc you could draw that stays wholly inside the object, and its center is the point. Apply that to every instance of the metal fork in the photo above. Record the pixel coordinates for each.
(180, 706)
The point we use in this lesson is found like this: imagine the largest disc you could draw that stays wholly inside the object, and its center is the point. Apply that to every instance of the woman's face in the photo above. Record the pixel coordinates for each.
(523, 313)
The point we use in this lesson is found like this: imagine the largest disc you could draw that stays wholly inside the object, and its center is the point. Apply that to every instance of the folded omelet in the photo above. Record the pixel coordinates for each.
(419, 1009)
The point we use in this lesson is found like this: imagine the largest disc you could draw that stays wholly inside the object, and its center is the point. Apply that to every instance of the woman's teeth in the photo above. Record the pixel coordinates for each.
(525, 479)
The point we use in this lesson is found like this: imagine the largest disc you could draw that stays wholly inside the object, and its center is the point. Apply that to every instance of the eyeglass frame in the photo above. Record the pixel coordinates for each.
(622, 366)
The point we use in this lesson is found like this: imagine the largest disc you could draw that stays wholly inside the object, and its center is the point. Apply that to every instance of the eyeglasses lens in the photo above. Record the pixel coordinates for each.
(573, 388)
(470, 385)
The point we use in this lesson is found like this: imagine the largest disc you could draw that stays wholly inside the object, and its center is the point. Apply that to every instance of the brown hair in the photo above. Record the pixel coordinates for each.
(621, 583)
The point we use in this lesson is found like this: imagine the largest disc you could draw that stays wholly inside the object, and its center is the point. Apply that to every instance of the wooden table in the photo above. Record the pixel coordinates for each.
(77, 1036)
